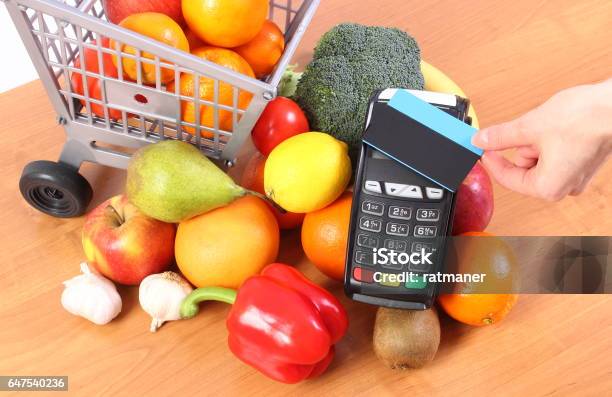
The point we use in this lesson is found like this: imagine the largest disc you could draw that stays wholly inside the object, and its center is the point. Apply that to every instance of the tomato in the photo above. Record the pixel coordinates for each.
(94, 85)
(280, 120)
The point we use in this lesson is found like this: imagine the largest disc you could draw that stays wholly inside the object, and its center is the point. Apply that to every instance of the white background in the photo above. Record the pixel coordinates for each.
(15, 67)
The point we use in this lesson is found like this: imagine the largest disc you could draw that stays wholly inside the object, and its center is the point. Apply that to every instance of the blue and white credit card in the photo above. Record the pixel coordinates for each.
(424, 138)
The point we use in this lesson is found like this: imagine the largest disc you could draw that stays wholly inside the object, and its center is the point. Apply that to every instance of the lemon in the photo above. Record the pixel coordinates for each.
(307, 172)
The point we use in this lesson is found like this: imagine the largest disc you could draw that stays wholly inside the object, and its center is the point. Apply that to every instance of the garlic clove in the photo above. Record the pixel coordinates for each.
(155, 324)
(91, 296)
(161, 295)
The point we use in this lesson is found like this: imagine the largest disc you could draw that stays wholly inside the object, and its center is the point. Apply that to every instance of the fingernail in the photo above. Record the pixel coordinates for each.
(480, 138)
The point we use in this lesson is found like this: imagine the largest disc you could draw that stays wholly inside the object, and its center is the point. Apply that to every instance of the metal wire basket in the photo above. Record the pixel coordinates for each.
(107, 126)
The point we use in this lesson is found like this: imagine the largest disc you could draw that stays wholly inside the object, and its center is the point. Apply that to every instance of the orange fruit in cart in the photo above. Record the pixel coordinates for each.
(94, 85)
(226, 23)
(494, 258)
(253, 179)
(325, 236)
(194, 41)
(228, 59)
(227, 245)
(264, 51)
(156, 26)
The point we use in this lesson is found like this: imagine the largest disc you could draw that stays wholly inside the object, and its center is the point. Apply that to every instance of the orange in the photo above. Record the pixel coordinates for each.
(478, 309)
(159, 27)
(194, 41)
(493, 257)
(226, 23)
(226, 246)
(230, 60)
(253, 179)
(264, 51)
(325, 236)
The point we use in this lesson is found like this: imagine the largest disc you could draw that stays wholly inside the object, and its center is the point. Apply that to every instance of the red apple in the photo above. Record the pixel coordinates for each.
(117, 10)
(125, 245)
(474, 205)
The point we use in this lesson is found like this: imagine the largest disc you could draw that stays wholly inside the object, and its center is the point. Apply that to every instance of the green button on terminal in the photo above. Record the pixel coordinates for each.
(417, 281)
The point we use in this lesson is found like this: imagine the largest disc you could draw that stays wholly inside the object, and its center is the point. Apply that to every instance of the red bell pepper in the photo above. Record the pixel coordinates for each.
(280, 323)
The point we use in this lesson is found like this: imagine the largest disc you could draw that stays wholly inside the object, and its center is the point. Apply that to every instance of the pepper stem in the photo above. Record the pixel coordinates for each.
(190, 308)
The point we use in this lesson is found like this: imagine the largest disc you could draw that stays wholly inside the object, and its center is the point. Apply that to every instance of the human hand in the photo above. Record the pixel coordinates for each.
(558, 146)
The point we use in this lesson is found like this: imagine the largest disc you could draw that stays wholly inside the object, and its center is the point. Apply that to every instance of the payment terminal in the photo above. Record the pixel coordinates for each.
(416, 151)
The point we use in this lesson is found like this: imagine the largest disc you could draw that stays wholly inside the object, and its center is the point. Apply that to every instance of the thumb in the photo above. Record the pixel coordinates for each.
(502, 136)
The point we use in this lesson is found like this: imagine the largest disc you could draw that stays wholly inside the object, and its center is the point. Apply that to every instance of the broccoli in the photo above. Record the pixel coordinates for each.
(350, 62)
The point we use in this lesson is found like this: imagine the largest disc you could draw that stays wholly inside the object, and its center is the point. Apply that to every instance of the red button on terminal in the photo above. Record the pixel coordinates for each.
(363, 275)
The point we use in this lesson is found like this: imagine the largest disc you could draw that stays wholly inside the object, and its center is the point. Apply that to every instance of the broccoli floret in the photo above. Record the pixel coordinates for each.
(351, 39)
(350, 62)
(346, 39)
(329, 84)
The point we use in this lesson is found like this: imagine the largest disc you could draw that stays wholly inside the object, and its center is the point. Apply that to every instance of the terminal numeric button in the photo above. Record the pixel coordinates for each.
(395, 265)
(427, 215)
(363, 240)
(425, 231)
(397, 229)
(396, 212)
(373, 187)
(396, 245)
(419, 267)
(419, 246)
(372, 208)
(370, 225)
(364, 258)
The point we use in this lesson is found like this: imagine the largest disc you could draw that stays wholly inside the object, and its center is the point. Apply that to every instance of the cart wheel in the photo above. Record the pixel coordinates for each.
(55, 189)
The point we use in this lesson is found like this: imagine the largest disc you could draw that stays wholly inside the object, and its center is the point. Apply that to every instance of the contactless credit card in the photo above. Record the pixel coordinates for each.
(424, 138)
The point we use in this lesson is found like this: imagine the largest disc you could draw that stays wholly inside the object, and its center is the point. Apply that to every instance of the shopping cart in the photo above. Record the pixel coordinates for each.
(125, 115)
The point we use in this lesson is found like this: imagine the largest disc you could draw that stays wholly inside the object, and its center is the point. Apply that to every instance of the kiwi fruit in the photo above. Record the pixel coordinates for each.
(406, 338)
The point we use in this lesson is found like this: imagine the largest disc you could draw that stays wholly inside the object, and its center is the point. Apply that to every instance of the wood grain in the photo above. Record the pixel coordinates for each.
(509, 57)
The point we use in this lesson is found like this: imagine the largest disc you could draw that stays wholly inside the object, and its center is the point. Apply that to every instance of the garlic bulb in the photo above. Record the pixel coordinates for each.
(161, 295)
(91, 296)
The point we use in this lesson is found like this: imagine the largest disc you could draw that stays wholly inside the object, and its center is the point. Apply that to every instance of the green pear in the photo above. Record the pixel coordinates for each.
(173, 181)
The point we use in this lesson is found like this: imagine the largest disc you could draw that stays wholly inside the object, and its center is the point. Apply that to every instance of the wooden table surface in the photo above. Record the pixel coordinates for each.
(509, 57)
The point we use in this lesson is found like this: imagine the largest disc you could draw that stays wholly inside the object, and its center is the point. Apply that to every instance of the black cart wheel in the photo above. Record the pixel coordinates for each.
(55, 189)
